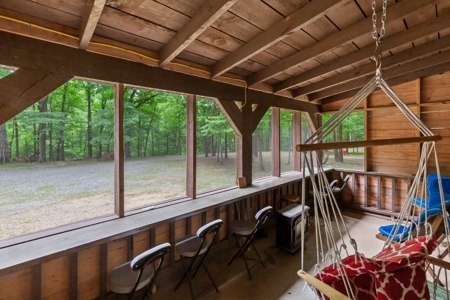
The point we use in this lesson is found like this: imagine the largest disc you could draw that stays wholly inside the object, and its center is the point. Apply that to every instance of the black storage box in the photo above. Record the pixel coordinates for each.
(288, 227)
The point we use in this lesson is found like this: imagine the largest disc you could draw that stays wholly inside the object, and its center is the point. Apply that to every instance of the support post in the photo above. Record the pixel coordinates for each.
(119, 202)
(275, 120)
(191, 155)
(297, 138)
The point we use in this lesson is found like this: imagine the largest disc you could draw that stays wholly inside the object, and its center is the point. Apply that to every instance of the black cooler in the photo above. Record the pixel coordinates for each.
(288, 224)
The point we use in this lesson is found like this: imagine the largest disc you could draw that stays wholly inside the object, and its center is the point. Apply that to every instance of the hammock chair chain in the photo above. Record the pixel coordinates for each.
(378, 36)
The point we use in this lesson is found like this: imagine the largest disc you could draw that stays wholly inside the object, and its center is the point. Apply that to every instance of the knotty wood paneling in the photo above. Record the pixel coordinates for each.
(117, 253)
(141, 241)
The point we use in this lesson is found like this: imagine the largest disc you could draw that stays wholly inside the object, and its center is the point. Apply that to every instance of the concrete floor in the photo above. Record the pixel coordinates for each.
(278, 280)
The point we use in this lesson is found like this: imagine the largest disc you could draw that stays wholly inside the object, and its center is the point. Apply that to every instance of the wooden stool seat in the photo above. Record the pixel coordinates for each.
(289, 199)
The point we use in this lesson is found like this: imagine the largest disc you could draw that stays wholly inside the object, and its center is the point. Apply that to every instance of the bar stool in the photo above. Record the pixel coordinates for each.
(247, 229)
(132, 276)
(193, 246)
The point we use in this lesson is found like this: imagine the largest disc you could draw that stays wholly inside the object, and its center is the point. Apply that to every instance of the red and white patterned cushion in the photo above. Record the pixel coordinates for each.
(395, 273)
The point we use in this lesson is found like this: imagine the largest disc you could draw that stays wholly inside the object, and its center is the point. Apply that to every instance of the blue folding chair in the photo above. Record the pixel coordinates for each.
(389, 230)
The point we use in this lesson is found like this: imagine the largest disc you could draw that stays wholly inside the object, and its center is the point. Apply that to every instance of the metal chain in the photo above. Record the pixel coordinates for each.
(378, 36)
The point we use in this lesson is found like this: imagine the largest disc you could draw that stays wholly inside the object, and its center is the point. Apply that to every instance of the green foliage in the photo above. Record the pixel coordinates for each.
(352, 127)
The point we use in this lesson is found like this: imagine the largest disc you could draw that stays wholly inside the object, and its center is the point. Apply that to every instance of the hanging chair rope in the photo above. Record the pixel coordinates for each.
(328, 237)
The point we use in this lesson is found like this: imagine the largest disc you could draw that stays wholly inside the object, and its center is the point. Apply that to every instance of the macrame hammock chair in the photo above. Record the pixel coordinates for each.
(399, 270)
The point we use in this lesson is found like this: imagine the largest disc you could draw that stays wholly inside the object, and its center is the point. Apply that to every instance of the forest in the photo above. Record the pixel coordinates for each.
(76, 122)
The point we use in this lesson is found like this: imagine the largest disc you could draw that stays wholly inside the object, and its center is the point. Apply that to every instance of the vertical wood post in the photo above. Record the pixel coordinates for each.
(73, 258)
(366, 131)
(394, 194)
(244, 155)
(297, 139)
(275, 120)
(119, 205)
(103, 270)
(37, 281)
(191, 155)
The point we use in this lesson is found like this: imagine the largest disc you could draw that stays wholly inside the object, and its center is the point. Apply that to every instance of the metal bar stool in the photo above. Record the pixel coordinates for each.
(132, 276)
(193, 246)
(248, 229)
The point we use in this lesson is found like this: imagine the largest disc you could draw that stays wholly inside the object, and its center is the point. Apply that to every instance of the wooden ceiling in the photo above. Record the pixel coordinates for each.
(312, 51)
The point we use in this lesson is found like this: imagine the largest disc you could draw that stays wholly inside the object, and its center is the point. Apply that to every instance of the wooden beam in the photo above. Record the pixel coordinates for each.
(404, 56)
(191, 153)
(232, 113)
(275, 120)
(423, 29)
(297, 138)
(373, 143)
(322, 287)
(442, 68)
(354, 31)
(119, 202)
(300, 18)
(92, 12)
(23, 88)
(258, 113)
(406, 68)
(18, 51)
(201, 21)
(244, 153)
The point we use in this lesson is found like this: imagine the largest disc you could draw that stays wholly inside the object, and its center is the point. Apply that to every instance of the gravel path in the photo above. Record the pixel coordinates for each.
(39, 196)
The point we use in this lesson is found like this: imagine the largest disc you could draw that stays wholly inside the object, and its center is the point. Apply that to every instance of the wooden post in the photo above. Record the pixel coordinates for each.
(244, 154)
(275, 120)
(366, 131)
(191, 155)
(119, 205)
(296, 139)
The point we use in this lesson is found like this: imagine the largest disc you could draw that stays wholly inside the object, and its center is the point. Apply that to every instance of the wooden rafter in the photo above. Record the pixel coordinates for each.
(92, 12)
(25, 87)
(20, 51)
(425, 72)
(232, 113)
(404, 56)
(401, 38)
(358, 29)
(300, 18)
(404, 69)
(204, 17)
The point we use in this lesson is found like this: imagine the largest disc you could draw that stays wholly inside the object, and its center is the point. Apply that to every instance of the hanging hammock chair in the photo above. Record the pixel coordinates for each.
(399, 270)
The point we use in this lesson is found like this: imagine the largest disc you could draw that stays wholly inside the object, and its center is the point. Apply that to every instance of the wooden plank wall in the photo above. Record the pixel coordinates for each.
(84, 274)
(428, 97)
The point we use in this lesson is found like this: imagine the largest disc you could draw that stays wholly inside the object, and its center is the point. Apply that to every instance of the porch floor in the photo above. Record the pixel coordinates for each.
(278, 280)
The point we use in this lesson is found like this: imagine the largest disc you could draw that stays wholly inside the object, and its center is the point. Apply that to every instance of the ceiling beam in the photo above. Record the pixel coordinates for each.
(406, 68)
(91, 15)
(300, 18)
(18, 51)
(439, 69)
(204, 17)
(402, 57)
(413, 33)
(22, 88)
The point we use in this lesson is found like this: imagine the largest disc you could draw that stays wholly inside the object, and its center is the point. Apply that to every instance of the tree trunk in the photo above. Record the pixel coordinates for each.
(255, 145)
(127, 149)
(206, 146)
(213, 148)
(16, 131)
(338, 153)
(226, 145)
(42, 105)
(290, 142)
(60, 149)
(261, 162)
(4, 149)
(89, 126)
(50, 145)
